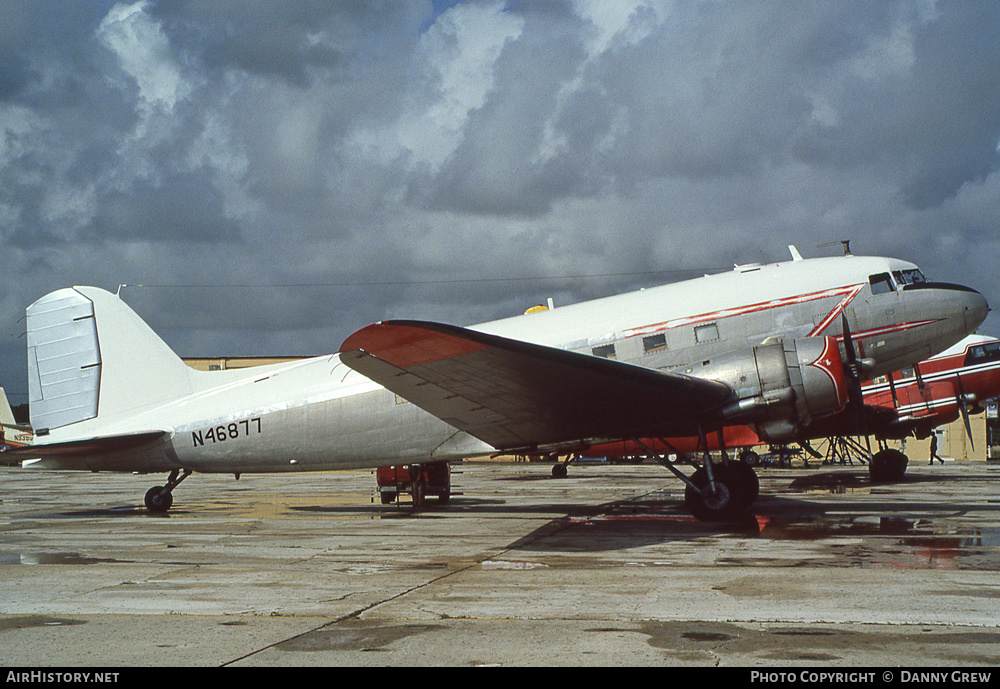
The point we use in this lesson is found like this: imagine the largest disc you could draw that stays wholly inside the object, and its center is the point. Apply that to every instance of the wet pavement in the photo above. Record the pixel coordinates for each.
(602, 568)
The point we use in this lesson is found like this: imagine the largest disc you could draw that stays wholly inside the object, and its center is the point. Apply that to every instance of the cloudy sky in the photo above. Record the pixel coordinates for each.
(276, 175)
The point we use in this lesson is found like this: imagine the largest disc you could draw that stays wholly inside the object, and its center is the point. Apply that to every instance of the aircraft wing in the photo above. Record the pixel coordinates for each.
(518, 396)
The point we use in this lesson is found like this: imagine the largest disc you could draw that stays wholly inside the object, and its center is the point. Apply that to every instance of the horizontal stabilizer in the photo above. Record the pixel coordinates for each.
(86, 447)
(520, 396)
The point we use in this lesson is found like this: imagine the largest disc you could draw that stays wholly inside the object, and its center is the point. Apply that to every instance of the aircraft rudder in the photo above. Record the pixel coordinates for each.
(6, 413)
(91, 355)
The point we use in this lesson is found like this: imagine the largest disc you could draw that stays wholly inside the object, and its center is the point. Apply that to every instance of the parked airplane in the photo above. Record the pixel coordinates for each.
(758, 344)
(12, 434)
(908, 403)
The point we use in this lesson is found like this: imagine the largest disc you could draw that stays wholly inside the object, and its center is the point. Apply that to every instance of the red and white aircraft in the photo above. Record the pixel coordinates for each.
(908, 403)
(773, 346)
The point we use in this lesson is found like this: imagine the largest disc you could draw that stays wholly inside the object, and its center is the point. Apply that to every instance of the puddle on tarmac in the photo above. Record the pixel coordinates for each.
(353, 636)
(913, 531)
(894, 541)
(31, 621)
(66, 558)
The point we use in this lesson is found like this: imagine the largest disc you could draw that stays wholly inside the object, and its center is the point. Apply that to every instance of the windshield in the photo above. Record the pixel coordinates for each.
(909, 277)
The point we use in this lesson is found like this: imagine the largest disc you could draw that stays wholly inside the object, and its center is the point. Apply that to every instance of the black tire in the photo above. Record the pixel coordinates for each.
(158, 500)
(750, 458)
(559, 470)
(887, 466)
(747, 477)
(736, 489)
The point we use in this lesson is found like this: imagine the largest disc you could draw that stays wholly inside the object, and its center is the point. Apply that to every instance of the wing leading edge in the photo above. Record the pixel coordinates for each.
(515, 395)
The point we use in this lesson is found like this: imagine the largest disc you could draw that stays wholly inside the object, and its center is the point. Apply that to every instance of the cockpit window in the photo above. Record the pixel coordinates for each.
(881, 283)
(908, 277)
(982, 353)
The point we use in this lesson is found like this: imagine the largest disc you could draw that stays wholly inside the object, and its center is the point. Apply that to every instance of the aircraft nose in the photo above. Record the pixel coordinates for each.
(976, 309)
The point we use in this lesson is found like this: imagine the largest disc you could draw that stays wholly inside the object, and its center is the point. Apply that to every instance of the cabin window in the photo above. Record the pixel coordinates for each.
(654, 343)
(982, 353)
(706, 333)
(906, 372)
(881, 283)
(605, 351)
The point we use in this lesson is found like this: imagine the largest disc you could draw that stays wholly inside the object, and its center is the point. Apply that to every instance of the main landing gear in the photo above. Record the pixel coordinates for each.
(715, 492)
(724, 498)
(160, 498)
(888, 465)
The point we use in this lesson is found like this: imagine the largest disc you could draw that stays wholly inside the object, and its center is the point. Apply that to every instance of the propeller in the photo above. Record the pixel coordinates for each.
(962, 399)
(856, 397)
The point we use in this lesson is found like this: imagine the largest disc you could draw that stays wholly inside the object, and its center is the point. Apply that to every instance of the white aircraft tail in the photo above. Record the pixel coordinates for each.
(90, 355)
(6, 413)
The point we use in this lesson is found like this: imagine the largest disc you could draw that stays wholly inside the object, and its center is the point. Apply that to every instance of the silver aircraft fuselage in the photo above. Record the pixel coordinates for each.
(318, 414)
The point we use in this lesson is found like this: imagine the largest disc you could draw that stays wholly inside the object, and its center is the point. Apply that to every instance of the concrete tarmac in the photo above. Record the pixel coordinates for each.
(602, 568)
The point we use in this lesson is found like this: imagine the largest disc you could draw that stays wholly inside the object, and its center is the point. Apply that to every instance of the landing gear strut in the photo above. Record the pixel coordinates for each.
(715, 492)
(160, 498)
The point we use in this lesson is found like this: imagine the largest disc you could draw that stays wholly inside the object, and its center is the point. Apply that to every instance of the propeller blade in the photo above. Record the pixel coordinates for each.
(856, 397)
(852, 356)
(965, 418)
(964, 407)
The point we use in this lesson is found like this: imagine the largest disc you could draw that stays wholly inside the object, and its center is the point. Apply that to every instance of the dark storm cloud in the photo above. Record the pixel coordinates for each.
(184, 207)
(396, 152)
(497, 169)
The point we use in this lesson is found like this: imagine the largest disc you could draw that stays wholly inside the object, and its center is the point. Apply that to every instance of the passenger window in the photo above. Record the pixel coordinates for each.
(654, 343)
(605, 351)
(881, 283)
(706, 333)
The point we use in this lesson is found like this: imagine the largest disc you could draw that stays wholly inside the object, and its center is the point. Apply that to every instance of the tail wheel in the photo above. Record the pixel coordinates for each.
(159, 499)
(736, 487)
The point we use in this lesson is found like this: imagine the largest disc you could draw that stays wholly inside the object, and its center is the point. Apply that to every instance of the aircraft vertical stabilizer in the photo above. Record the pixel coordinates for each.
(6, 413)
(89, 354)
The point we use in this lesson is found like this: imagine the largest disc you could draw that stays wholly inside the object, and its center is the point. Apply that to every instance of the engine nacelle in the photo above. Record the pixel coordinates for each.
(781, 385)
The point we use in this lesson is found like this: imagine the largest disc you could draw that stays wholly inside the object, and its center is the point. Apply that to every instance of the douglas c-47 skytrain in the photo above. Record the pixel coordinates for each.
(771, 346)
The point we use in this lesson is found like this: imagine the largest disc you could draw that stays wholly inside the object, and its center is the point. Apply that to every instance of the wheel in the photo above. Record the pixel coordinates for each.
(736, 487)
(887, 466)
(559, 470)
(158, 499)
(750, 458)
(418, 491)
(747, 478)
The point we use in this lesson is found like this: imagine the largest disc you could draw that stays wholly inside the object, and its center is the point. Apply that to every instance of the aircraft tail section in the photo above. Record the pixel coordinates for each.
(90, 355)
(6, 413)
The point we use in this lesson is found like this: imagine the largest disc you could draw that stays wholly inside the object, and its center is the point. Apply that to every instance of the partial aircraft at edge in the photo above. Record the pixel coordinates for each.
(775, 346)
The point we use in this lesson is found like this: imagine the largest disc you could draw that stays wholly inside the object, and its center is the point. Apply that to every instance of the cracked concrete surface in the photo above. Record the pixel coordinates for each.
(602, 568)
